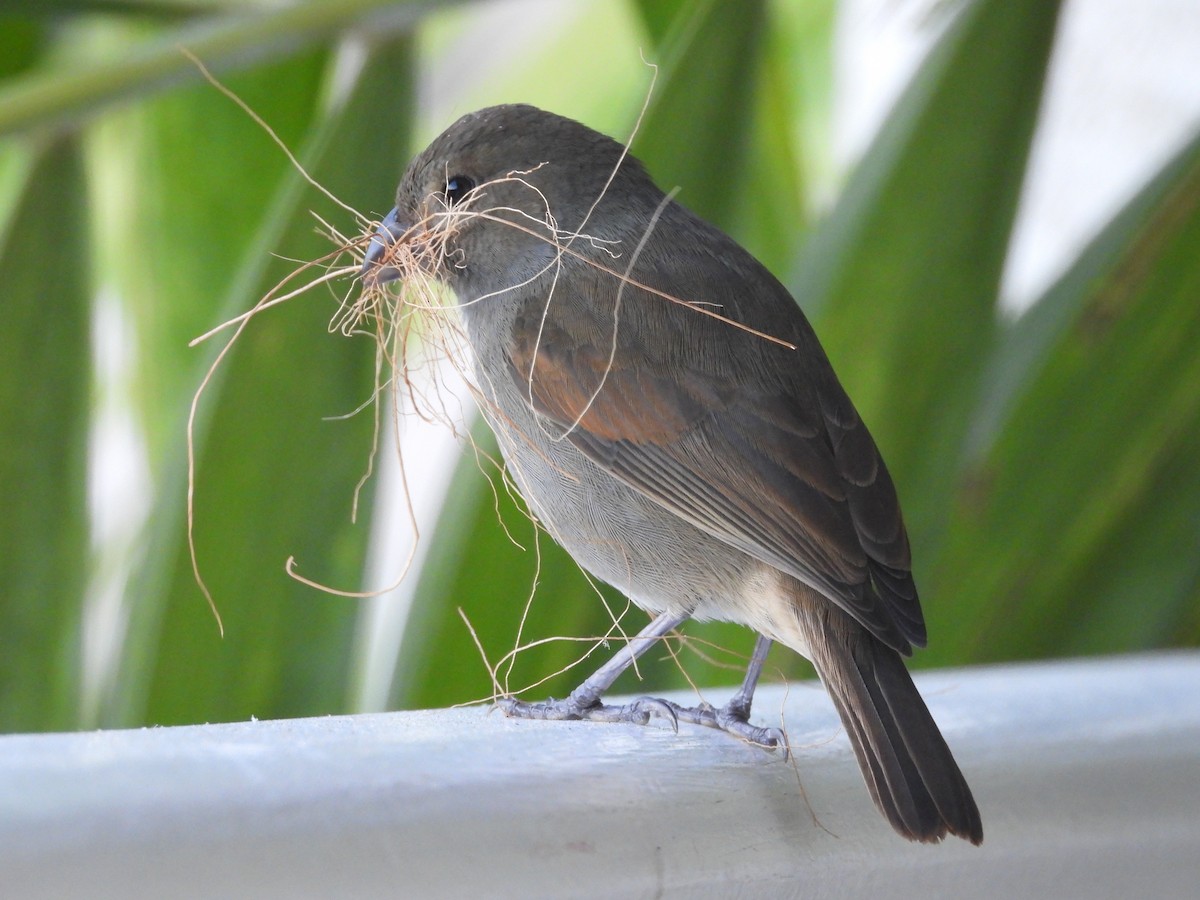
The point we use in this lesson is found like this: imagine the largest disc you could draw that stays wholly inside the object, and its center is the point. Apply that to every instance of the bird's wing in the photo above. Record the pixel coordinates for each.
(798, 485)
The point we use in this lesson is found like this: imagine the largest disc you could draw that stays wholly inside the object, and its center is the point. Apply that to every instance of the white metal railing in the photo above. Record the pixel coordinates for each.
(1087, 774)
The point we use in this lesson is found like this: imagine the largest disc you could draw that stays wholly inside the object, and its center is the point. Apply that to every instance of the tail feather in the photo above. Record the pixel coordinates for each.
(909, 770)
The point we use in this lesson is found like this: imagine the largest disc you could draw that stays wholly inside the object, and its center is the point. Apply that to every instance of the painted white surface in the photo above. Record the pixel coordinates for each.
(1087, 774)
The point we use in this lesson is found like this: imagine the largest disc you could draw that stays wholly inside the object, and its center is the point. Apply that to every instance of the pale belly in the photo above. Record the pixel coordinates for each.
(661, 562)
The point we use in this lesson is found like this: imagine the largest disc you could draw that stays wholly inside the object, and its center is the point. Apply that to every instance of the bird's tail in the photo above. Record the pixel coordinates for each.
(909, 770)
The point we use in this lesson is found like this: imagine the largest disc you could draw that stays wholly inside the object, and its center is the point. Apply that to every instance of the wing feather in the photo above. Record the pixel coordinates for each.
(753, 444)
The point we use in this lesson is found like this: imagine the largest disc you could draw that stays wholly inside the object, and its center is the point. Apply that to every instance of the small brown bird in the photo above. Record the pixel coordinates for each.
(669, 415)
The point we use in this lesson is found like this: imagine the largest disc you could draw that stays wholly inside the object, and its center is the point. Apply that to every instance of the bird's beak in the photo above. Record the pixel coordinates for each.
(375, 272)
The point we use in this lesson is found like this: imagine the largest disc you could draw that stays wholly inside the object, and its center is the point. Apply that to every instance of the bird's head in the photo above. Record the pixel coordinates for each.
(496, 196)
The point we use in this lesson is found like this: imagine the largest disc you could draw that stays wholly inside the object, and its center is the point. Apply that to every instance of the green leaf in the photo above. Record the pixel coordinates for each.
(769, 203)
(904, 275)
(185, 180)
(1142, 593)
(44, 405)
(1090, 488)
(68, 95)
(697, 129)
(22, 40)
(274, 479)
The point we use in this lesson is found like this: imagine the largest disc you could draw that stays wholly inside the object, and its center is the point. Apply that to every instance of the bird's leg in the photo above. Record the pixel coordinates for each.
(734, 716)
(584, 701)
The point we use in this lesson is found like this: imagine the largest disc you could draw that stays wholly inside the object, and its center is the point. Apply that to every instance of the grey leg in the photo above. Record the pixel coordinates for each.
(739, 704)
(734, 716)
(584, 701)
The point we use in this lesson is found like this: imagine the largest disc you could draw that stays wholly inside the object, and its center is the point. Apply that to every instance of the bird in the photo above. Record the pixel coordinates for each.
(669, 416)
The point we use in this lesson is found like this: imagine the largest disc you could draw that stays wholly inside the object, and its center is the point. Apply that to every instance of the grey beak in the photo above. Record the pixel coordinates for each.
(374, 272)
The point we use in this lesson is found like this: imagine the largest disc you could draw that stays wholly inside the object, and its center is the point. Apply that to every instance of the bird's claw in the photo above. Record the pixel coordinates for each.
(639, 712)
(732, 718)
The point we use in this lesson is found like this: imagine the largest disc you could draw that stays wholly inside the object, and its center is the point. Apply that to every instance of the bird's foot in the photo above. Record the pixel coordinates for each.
(639, 712)
(734, 718)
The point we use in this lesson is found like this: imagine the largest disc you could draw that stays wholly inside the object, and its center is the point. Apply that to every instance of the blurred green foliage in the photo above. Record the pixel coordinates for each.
(1046, 462)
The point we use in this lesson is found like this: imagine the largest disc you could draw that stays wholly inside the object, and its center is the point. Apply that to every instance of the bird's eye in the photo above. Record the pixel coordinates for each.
(457, 187)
